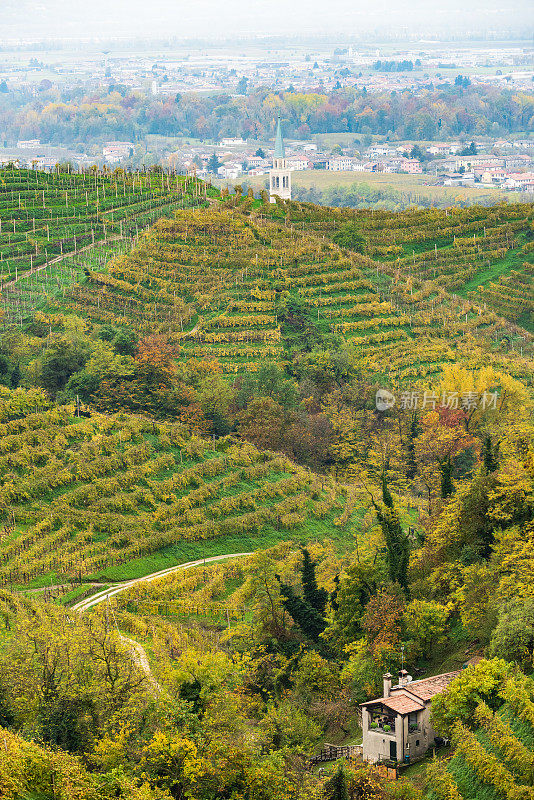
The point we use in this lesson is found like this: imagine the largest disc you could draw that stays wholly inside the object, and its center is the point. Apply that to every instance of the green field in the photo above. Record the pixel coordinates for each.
(394, 191)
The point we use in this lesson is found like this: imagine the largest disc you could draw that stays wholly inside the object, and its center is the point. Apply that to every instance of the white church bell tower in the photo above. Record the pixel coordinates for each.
(280, 175)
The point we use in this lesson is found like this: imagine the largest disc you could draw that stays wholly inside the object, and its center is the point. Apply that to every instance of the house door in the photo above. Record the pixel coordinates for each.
(393, 751)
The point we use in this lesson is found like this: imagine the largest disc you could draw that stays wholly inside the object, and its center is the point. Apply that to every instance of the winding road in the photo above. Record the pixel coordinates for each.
(117, 588)
(138, 653)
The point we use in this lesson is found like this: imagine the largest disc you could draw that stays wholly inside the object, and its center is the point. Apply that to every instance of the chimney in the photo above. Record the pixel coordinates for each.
(404, 678)
(387, 684)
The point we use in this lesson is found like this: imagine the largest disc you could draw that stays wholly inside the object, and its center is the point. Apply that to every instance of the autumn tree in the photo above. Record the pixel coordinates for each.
(480, 683)
(424, 624)
(513, 637)
(442, 439)
(382, 619)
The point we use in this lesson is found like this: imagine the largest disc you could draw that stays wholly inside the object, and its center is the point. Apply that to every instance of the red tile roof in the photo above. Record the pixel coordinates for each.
(428, 687)
(413, 696)
(401, 702)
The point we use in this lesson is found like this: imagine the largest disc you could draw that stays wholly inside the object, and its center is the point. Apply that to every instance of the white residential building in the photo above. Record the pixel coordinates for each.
(297, 162)
(520, 180)
(255, 161)
(468, 162)
(379, 150)
(339, 164)
(230, 171)
(117, 151)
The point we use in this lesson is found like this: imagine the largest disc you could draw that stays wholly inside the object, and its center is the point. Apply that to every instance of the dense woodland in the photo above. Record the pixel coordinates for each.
(211, 389)
(75, 117)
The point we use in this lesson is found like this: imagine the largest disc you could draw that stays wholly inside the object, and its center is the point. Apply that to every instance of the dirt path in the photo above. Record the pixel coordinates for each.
(117, 588)
(139, 657)
(138, 653)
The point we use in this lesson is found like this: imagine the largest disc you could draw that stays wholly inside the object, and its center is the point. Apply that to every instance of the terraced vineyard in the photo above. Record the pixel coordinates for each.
(79, 495)
(494, 761)
(511, 295)
(44, 217)
(213, 280)
(202, 278)
(391, 234)
(422, 260)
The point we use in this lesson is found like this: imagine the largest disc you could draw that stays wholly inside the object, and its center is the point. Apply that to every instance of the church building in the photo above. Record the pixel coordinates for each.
(280, 175)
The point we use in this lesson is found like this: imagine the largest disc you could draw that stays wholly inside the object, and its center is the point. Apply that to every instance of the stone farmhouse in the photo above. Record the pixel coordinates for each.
(397, 727)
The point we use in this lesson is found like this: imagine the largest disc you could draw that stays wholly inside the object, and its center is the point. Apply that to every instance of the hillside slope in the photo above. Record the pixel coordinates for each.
(80, 495)
(55, 225)
(495, 759)
(215, 282)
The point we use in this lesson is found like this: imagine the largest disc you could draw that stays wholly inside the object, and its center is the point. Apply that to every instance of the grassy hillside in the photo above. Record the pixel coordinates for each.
(79, 496)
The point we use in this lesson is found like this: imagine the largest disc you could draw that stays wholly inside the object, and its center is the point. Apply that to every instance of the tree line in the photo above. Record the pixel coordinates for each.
(75, 117)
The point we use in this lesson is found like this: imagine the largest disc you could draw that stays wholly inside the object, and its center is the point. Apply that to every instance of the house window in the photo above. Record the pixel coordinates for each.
(417, 742)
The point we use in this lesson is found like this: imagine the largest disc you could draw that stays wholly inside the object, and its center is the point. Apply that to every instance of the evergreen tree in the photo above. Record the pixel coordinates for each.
(214, 164)
(336, 787)
(315, 597)
(413, 432)
(489, 455)
(334, 596)
(302, 613)
(15, 376)
(447, 487)
(242, 85)
(397, 542)
(386, 494)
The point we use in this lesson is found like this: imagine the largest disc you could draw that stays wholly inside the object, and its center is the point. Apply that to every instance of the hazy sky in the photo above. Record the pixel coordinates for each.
(214, 18)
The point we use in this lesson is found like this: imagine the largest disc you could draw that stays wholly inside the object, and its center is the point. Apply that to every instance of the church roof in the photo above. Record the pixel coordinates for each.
(279, 150)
